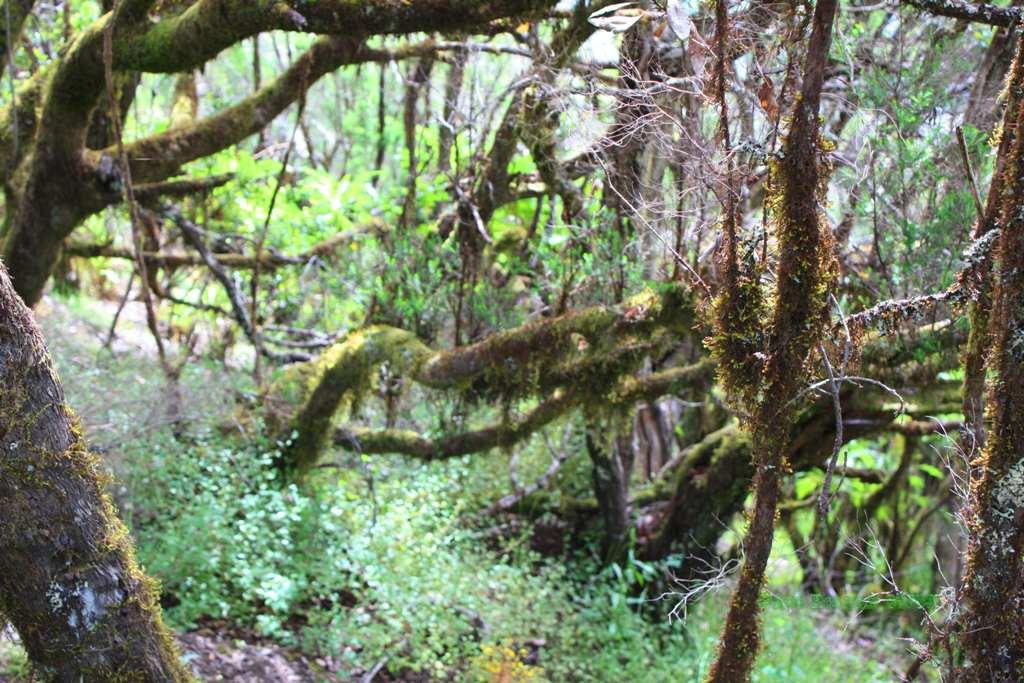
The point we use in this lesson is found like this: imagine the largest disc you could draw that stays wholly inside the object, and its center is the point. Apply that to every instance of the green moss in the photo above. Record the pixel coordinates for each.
(583, 352)
(38, 468)
(342, 376)
(739, 315)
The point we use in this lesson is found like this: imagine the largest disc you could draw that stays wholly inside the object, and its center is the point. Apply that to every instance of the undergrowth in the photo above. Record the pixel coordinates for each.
(383, 558)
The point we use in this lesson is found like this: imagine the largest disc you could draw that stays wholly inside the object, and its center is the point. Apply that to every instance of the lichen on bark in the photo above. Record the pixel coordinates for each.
(69, 581)
(992, 628)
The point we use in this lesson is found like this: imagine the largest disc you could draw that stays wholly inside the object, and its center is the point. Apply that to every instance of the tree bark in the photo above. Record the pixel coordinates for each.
(806, 268)
(69, 582)
(993, 622)
(611, 467)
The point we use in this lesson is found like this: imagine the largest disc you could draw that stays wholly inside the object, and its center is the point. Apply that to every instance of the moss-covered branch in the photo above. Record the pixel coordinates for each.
(502, 434)
(539, 345)
(536, 358)
(514, 430)
(344, 373)
(157, 157)
(52, 189)
(193, 37)
(161, 155)
(982, 13)
(804, 277)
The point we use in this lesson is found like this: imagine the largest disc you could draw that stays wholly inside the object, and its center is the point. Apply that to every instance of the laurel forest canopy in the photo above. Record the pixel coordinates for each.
(510, 340)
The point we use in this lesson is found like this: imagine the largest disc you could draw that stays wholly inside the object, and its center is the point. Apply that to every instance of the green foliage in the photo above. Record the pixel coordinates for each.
(232, 550)
(381, 558)
(363, 572)
(375, 557)
(914, 207)
(801, 643)
(376, 561)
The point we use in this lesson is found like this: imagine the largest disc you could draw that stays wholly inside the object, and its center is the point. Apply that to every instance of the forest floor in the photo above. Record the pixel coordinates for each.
(213, 656)
(220, 652)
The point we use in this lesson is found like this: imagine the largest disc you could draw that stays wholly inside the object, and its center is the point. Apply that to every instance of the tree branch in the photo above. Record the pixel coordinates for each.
(203, 30)
(192, 235)
(181, 188)
(508, 433)
(268, 261)
(981, 13)
(19, 121)
(160, 156)
(527, 360)
(13, 14)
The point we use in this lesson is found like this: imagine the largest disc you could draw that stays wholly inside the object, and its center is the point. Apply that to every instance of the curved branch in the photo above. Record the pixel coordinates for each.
(188, 40)
(160, 156)
(601, 326)
(203, 30)
(526, 360)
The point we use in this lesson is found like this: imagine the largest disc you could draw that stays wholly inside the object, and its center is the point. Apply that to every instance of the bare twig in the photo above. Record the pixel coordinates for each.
(837, 446)
(969, 169)
(558, 458)
(120, 307)
(129, 194)
(191, 235)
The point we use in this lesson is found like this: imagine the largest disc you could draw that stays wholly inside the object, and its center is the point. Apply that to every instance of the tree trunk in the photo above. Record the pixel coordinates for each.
(69, 582)
(612, 465)
(993, 623)
(804, 278)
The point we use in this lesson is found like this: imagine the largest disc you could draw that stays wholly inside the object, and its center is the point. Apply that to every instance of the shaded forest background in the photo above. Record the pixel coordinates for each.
(507, 341)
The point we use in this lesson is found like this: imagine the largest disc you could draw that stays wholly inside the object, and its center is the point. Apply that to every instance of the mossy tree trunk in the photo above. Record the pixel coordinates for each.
(993, 618)
(804, 277)
(69, 582)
